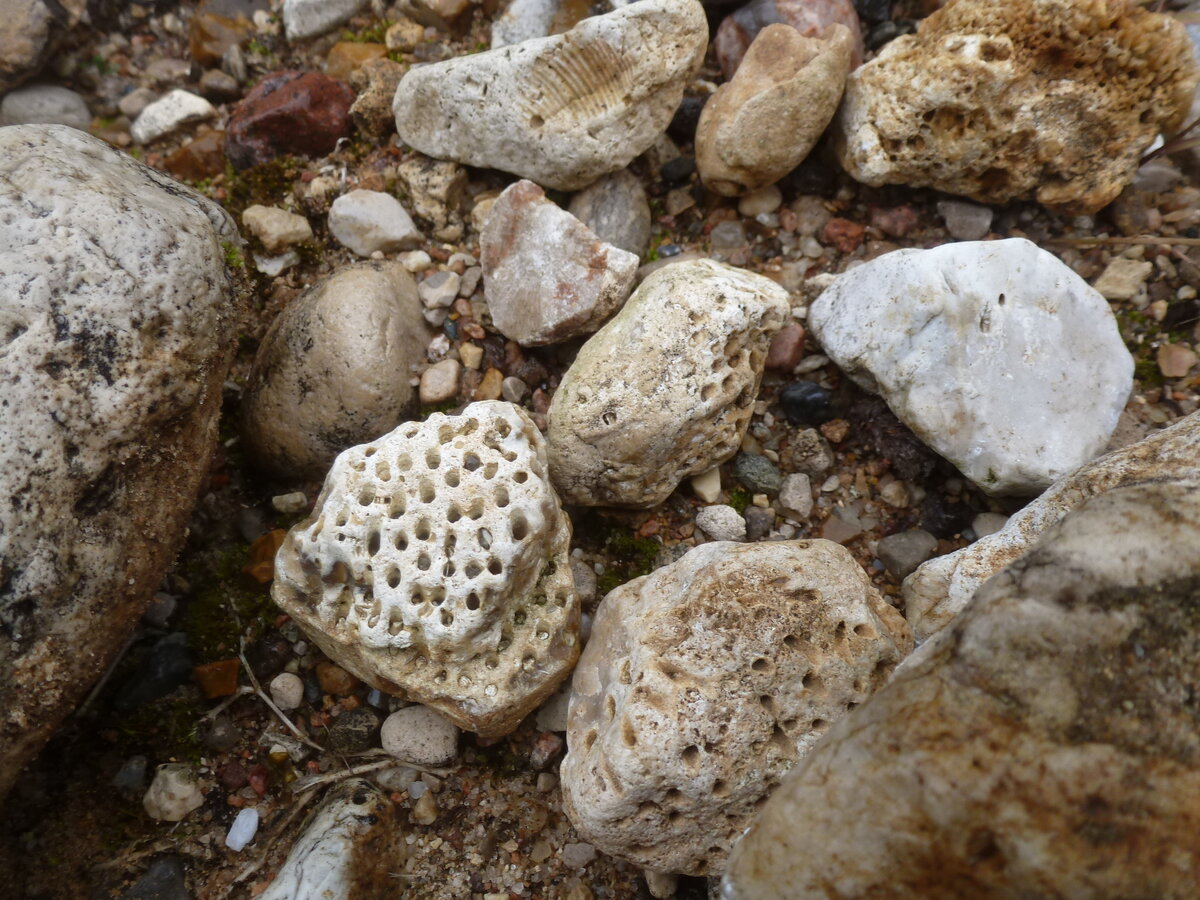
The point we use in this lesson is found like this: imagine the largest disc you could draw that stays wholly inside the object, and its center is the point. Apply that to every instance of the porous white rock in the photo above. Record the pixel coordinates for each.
(435, 566)
(721, 523)
(46, 104)
(307, 18)
(546, 275)
(173, 794)
(995, 354)
(941, 588)
(418, 734)
(703, 682)
(666, 389)
(177, 108)
(333, 369)
(561, 110)
(370, 221)
(277, 228)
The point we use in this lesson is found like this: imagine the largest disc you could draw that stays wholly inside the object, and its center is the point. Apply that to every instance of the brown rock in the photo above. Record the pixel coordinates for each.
(218, 679)
(375, 80)
(489, 388)
(809, 17)
(32, 30)
(843, 234)
(200, 158)
(346, 57)
(787, 347)
(1176, 360)
(211, 35)
(288, 112)
(261, 565)
(335, 680)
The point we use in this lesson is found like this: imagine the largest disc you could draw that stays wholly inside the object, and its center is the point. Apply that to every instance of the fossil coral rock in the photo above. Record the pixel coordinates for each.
(333, 369)
(704, 682)
(809, 18)
(940, 589)
(562, 110)
(971, 345)
(666, 389)
(1045, 745)
(115, 317)
(1048, 99)
(435, 566)
(546, 275)
(764, 122)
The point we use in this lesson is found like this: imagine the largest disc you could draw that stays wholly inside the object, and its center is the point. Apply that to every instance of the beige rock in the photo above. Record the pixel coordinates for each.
(1044, 746)
(333, 369)
(666, 389)
(277, 228)
(1122, 278)
(32, 29)
(439, 383)
(764, 122)
(173, 794)
(1048, 99)
(704, 682)
(435, 191)
(435, 566)
(376, 81)
(561, 110)
(940, 589)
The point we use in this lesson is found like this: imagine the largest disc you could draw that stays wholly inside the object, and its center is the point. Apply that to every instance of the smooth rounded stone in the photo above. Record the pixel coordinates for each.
(965, 221)
(667, 388)
(1176, 360)
(1001, 102)
(796, 497)
(988, 523)
(806, 403)
(763, 123)
(333, 369)
(615, 208)
(116, 312)
(760, 202)
(938, 591)
(219, 86)
(810, 18)
(547, 276)
(172, 111)
(901, 553)
(703, 682)
(562, 110)
(418, 734)
(370, 221)
(757, 473)
(164, 879)
(721, 523)
(32, 30)
(435, 566)
(276, 228)
(173, 794)
(439, 383)
(242, 831)
(353, 731)
(1046, 745)
(308, 18)
(287, 690)
(301, 113)
(973, 346)
(45, 104)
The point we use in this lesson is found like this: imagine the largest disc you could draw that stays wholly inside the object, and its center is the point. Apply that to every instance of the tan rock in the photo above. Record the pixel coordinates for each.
(435, 192)
(435, 566)
(764, 122)
(1048, 99)
(375, 80)
(1044, 746)
(704, 682)
(277, 228)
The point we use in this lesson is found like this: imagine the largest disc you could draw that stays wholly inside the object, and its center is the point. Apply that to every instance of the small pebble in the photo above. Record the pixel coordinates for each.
(513, 389)
(988, 523)
(806, 403)
(764, 200)
(287, 690)
(173, 794)
(965, 221)
(577, 856)
(1176, 360)
(471, 355)
(757, 473)
(759, 522)
(546, 782)
(902, 553)
(289, 504)
(439, 290)
(420, 735)
(721, 523)
(335, 680)
(707, 486)
(243, 829)
(353, 731)
(439, 382)
(425, 811)
(795, 496)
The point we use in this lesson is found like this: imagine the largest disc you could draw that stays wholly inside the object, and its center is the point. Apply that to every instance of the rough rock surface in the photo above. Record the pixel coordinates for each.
(546, 275)
(307, 18)
(942, 587)
(304, 113)
(435, 566)
(666, 389)
(763, 123)
(45, 104)
(704, 682)
(370, 221)
(418, 734)
(333, 369)
(616, 209)
(562, 110)
(1046, 744)
(173, 794)
(974, 346)
(807, 17)
(30, 33)
(1048, 99)
(113, 300)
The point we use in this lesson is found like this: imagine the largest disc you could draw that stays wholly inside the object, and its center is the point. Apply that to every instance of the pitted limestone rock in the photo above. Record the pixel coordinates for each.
(704, 682)
(435, 566)
(666, 389)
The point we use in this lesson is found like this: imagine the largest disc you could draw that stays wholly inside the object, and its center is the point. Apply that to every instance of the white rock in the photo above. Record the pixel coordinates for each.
(721, 523)
(367, 221)
(272, 266)
(561, 110)
(552, 715)
(666, 389)
(707, 485)
(277, 228)
(177, 108)
(796, 497)
(616, 209)
(439, 290)
(417, 734)
(173, 794)
(995, 354)
(523, 20)
(307, 18)
(965, 221)
(439, 382)
(287, 690)
(436, 565)
(988, 523)
(45, 104)
(243, 829)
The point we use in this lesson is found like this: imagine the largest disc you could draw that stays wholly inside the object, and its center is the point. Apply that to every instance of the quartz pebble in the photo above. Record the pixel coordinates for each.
(707, 485)
(439, 383)
(163, 116)
(243, 829)
(721, 523)
(965, 221)
(287, 690)
(988, 523)
(277, 228)
(419, 735)
(439, 290)
(370, 221)
(796, 497)
(173, 794)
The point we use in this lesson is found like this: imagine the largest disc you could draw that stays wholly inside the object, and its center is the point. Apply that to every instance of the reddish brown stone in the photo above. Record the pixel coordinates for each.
(302, 113)
(809, 17)
(211, 35)
(201, 158)
(843, 234)
(218, 679)
(335, 680)
(261, 566)
(787, 347)
(894, 222)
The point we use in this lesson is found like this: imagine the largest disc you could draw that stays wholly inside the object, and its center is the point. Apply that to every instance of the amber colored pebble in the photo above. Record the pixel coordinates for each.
(261, 566)
(201, 158)
(345, 58)
(335, 680)
(218, 679)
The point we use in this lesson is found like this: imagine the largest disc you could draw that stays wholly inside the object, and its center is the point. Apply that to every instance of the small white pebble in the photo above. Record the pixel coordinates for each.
(287, 690)
(295, 502)
(243, 829)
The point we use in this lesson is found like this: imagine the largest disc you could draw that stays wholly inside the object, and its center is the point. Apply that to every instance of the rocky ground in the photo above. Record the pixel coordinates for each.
(190, 683)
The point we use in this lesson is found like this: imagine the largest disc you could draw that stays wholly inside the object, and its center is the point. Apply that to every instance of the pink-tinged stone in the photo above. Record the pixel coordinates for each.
(787, 347)
(546, 275)
(1176, 360)
(896, 221)
(809, 17)
(302, 113)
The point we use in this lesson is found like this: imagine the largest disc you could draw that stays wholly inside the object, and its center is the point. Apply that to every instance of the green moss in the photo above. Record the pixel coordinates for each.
(233, 256)
(1147, 372)
(372, 34)
(630, 557)
(165, 729)
(739, 499)
(267, 184)
(447, 407)
(222, 596)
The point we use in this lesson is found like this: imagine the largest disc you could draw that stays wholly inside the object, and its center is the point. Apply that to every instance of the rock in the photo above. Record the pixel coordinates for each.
(810, 18)
(276, 228)
(1055, 713)
(526, 19)
(198, 159)
(616, 210)
(759, 522)
(585, 582)
(808, 452)
(242, 831)
(795, 497)
(707, 485)
(806, 403)
(472, 611)
(546, 275)
(45, 104)
(217, 27)
(370, 221)
(302, 113)
(32, 30)
(1176, 360)
(135, 101)
(514, 390)
(439, 290)
(333, 369)
(901, 553)
(166, 666)
(988, 523)
(287, 690)
(375, 81)
(168, 113)
(563, 110)
(404, 35)
(353, 731)
(335, 680)
(173, 794)
(220, 735)
(1008, 326)
(216, 85)
(1123, 278)
(577, 855)
(308, 18)
(941, 588)
(666, 389)
(436, 190)
(760, 202)
(439, 383)
(763, 123)
(439, 14)
(704, 682)
(721, 523)
(417, 734)
(116, 308)
(164, 879)
(757, 473)
(1001, 103)
(131, 777)
(345, 57)
(552, 716)
(787, 348)
(965, 221)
